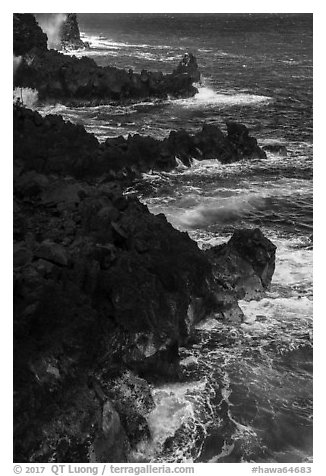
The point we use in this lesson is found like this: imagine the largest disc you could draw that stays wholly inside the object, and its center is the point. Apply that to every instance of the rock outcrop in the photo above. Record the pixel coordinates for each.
(246, 262)
(70, 34)
(245, 145)
(70, 80)
(74, 81)
(27, 34)
(275, 148)
(51, 145)
(104, 295)
(99, 283)
(189, 66)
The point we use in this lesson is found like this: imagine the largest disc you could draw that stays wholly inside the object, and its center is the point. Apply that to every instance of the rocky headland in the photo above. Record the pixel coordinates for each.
(80, 81)
(104, 295)
(105, 292)
(51, 145)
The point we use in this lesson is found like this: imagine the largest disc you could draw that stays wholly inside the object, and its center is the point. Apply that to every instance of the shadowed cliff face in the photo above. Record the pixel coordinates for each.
(102, 290)
(27, 34)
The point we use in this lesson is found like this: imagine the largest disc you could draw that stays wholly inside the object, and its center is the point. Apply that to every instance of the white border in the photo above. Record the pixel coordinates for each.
(168, 6)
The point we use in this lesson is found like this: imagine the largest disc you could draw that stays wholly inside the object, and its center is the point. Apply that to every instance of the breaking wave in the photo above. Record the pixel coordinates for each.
(207, 96)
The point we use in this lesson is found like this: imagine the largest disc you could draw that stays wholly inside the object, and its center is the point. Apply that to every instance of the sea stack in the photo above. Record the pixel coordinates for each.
(70, 34)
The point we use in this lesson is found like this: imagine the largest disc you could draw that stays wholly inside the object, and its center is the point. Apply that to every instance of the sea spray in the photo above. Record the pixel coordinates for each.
(27, 96)
(51, 24)
(16, 63)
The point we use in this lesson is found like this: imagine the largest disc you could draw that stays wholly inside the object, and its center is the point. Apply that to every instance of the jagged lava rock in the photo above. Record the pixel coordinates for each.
(51, 145)
(80, 81)
(279, 149)
(102, 289)
(246, 262)
(99, 283)
(132, 397)
(64, 78)
(238, 136)
(189, 65)
(27, 34)
(111, 445)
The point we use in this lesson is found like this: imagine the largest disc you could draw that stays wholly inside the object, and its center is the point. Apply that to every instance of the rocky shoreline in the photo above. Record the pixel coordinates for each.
(105, 293)
(70, 80)
(119, 157)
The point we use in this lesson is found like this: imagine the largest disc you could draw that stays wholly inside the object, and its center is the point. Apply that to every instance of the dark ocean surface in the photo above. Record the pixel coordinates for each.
(247, 392)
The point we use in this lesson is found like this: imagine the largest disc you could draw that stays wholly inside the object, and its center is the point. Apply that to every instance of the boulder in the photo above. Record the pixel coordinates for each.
(279, 149)
(52, 252)
(245, 145)
(246, 262)
(111, 445)
(181, 144)
(133, 400)
(213, 144)
(189, 65)
(21, 254)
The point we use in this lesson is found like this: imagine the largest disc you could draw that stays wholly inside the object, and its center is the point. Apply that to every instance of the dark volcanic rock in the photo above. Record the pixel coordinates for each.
(189, 66)
(276, 149)
(239, 137)
(99, 283)
(27, 34)
(111, 444)
(59, 77)
(246, 262)
(95, 287)
(51, 145)
(70, 34)
(133, 400)
(80, 81)
(103, 290)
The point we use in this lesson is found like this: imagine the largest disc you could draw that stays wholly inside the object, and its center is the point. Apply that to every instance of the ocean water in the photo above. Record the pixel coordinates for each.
(246, 393)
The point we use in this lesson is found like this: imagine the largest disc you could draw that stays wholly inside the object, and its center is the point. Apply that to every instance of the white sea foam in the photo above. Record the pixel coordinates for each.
(173, 407)
(294, 266)
(241, 431)
(99, 45)
(103, 41)
(278, 315)
(28, 96)
(220, 210)
(189, 361)
(54, 109)
(207, 97)
(208, 324)
(233, 199)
